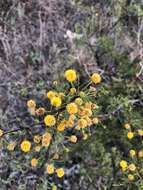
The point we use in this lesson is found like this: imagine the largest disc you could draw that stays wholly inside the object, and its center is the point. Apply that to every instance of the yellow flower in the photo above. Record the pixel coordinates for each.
(82, 123)
(40, 111)
(1, 132)
(82, 94)
(132, 167)
(95, 121)
(31, 104)
(37, 148)
(127, 126)
(140, 154)
(11, 146)
(72, 91)
(37, 139)
(72, 108)
(61, 126)
(96, 78)
(87, 112)
(54, 187)
(60, 172)
(25, 146)
(131, 177)
(34, 162)
(51, 94)
(140, 132)
(123, 164)
(70, 75)
(79, 101)
(50, 120)
(50, 168)
(73, 139)
(130, 135)
(88, 105)
(56, 101)
(132, 153)
(46, 139)
(72, 117)
(89, 121)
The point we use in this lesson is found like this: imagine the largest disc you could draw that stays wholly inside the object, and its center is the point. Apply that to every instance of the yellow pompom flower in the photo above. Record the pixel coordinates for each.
(72, 108)
(60, 172)
(131, 177)
(79, 101)
(140, 154)
(50, 120)
(54, 187)
(70, 75)
(56, 101)
(37, 139)
(61, 126)
(25, 146)
(82, 94)
(82, 123)
(31, 104)
(88, 105)
(40, 111)
(50, 169)
(87, 112)
(95, 120)
(132, 153)
(73, 139)
(51, 94)
(37, 148)
(140, 132)
(123, 164)
(127, 126)
(132, 167)
(1, 132)
(46, 139)
(72, 91)
(96, 78)
(130, 135)
(11, 146)
(34, 162)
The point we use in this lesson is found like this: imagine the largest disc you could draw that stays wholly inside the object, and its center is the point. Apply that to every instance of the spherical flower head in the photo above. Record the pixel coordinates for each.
(34, 162)
(95, 120)
(140, 154)
(1, 132)
(87, 112)
(37, 139)
(60, 172)
(51, 94)
(73, 139)
(82, 123)
(140, 132)
(70, 75)
(56, 101)
(50, 169)
(46, 139)
(79, 101)
(25, 146)
(123, 164)
(132, 153)
(130, 135)
(72, 108)
(54, 187)
(96, 78)
(131, 177)
(50, 120)
(82, 94)
(37, 148)
(132, 167)
(31, 104)
(62, 125)
(11, 146)
(40, 111)
(72, 91)
(127, 126)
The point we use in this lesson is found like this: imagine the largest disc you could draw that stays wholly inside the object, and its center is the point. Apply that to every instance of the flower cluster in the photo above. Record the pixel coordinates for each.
(70, 118)
(132, 166)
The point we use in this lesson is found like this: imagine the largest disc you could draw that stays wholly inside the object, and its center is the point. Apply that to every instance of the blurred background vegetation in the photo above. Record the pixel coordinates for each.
(38, 40)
